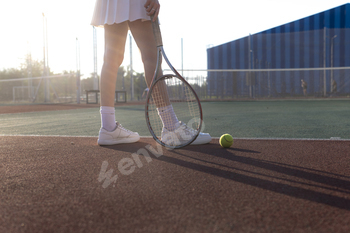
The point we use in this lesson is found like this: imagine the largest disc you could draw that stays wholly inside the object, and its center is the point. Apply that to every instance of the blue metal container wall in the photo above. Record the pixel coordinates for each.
(299, 44)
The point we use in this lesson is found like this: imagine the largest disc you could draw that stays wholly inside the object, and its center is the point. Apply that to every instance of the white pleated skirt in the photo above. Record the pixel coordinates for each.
(117, 11)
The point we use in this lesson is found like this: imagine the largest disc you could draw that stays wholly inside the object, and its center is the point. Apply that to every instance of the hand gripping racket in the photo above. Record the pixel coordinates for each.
(171, 90)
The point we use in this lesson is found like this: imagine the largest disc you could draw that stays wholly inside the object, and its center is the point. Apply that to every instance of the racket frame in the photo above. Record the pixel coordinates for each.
(161, 54)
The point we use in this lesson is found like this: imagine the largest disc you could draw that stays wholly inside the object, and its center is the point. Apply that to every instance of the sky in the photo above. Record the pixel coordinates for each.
(198, 23)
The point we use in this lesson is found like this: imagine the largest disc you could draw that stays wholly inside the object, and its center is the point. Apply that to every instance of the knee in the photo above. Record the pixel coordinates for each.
(113, 60)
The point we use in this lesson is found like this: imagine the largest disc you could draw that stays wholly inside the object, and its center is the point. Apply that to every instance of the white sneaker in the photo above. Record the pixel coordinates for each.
(183, 133)
(118, 136)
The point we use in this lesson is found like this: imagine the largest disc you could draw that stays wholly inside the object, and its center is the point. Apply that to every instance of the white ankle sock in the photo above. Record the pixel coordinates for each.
(108, 118)
(168, 117)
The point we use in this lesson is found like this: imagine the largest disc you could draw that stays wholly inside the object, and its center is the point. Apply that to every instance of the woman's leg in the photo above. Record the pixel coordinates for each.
(143, 34)
(110, 133)
(115, 38)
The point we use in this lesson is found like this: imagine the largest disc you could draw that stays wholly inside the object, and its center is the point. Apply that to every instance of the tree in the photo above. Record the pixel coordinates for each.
(59, 87)
(33, 68)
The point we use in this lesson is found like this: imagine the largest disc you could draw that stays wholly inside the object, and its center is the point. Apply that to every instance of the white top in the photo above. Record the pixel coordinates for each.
(117, 11)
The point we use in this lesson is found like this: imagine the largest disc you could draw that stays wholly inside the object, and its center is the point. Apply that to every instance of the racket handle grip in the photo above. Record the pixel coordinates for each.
(156, 32)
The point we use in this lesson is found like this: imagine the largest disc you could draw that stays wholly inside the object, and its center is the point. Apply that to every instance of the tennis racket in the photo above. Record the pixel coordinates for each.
(172, 90)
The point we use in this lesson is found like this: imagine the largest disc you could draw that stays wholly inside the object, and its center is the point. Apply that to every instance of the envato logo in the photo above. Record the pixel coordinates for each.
(127, 166)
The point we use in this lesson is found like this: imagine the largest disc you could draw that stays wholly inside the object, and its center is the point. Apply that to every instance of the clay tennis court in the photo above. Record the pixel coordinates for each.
(57, 184)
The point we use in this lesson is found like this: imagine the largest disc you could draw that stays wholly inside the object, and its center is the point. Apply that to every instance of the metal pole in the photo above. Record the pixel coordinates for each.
(47, 50)
(44, 60)
(268, 79)
(324, 63)
(95, 79)
(78, 69)
(332, 59)
(253, 77)
(250, 66)
(47, 63)
(123, 81)
(182, 58)
(131, 70)
(29, 72)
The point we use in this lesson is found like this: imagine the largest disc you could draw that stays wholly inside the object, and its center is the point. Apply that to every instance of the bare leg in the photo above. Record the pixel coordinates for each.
(143, 34)
(111, 133)
(115, 38)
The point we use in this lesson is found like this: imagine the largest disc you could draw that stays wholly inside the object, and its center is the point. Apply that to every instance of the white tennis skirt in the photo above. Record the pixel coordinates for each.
(117, 11)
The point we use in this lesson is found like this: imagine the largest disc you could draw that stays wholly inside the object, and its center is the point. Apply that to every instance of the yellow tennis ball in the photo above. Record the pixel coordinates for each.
(226, 140)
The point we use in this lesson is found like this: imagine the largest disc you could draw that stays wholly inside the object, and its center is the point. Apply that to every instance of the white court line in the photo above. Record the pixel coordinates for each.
(293, 139)
(236, 138)
(36, 135)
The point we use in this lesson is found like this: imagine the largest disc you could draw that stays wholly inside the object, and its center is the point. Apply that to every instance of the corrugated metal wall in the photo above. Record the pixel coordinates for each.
(299, 44)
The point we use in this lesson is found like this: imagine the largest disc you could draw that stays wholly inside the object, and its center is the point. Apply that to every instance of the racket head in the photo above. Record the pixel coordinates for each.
(175, 91)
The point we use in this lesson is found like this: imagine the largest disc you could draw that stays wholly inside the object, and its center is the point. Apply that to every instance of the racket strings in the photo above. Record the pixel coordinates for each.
(173, 91)
(168, 117)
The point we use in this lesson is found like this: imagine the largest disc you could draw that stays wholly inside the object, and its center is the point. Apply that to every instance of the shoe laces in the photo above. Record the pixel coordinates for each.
(188, 129)
(122, 128)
